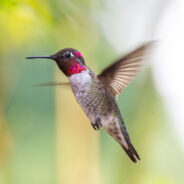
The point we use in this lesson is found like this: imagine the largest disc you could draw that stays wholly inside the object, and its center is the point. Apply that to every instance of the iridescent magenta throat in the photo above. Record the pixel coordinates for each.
(76, 68)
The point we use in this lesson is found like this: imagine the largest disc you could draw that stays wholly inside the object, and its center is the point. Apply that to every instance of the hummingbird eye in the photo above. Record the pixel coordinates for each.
(68, 55)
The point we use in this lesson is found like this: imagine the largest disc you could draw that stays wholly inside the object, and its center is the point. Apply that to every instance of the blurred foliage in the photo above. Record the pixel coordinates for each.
(44, 135)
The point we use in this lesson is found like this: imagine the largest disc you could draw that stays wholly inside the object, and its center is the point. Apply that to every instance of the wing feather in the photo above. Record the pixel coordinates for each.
(117, 76)
(52, 84)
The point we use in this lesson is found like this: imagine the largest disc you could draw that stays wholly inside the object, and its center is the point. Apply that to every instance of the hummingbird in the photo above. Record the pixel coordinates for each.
(97, 94)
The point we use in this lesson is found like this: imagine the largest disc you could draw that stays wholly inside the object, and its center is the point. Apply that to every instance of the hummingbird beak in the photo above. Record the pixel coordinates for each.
(43, 57)
(53, 57)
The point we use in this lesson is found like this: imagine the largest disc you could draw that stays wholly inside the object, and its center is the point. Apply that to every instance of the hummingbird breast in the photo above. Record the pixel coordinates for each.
(90, 94)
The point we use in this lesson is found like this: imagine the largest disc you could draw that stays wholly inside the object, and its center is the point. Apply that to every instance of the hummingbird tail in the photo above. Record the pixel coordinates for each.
(131, 152)
(120, 134)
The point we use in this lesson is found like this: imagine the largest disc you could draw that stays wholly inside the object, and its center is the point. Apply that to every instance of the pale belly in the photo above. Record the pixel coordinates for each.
(91, 96)
(97, 103)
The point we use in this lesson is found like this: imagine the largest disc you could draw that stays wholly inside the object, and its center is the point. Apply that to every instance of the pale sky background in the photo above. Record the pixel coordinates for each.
(168, 64)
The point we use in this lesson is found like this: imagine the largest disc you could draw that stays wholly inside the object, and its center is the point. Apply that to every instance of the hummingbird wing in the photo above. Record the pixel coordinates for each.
(117, 76)
(53, 84)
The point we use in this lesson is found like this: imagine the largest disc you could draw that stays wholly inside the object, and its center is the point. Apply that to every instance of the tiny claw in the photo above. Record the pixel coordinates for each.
(93, 125)
(97, 124)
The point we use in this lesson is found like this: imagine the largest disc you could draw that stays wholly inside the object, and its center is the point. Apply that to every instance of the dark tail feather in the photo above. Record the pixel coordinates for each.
(131, 152)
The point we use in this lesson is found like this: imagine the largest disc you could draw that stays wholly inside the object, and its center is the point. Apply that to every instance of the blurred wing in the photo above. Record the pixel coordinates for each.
(117, 76)
(53, 84)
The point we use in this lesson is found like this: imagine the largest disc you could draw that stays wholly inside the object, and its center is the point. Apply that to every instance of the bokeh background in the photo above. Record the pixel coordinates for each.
(44, 135)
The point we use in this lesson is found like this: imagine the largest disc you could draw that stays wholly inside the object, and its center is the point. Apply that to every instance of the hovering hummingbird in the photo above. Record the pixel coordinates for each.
(96, 94)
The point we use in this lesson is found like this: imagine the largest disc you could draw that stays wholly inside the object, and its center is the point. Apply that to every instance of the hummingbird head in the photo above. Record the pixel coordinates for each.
(70, 61)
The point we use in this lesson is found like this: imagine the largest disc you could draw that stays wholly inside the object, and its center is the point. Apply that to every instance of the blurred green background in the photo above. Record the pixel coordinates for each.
(44, 135)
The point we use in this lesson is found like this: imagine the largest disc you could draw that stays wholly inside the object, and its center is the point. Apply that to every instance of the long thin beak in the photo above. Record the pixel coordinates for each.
(43, 57)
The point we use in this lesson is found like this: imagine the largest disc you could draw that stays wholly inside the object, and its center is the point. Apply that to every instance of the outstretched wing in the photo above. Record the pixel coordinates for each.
(117, 76)
(52, 84)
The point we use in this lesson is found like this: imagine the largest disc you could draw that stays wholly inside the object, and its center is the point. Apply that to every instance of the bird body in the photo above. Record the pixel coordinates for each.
(96, 94)
(100, 105)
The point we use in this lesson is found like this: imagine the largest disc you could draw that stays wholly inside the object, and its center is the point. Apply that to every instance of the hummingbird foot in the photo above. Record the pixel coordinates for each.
(97, 124)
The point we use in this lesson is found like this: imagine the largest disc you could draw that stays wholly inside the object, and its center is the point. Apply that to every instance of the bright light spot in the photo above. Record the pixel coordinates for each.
(169, 63)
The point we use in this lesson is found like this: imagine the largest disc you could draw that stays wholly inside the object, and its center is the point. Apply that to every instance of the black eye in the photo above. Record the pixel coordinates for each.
(67, 55)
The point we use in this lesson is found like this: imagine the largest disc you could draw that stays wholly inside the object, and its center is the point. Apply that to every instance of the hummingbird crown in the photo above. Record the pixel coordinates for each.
(70, 61)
